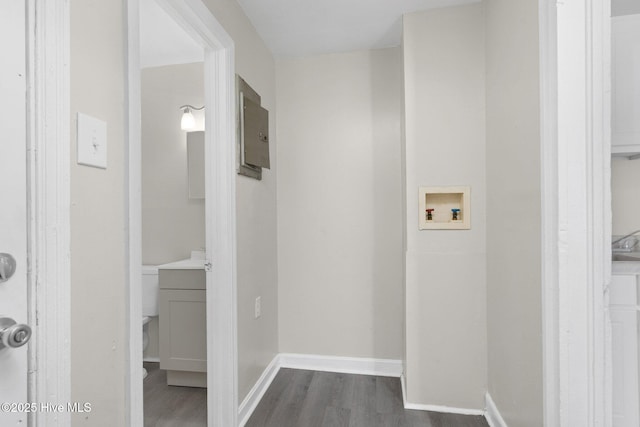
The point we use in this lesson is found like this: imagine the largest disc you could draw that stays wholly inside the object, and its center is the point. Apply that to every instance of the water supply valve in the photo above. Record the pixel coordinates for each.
(430, 214)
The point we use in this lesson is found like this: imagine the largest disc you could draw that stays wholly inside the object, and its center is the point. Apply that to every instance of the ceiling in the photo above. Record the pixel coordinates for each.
(292, 28)
(162, 40)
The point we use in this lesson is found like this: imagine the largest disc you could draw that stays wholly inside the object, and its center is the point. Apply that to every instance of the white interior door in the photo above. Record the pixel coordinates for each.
(13, 209)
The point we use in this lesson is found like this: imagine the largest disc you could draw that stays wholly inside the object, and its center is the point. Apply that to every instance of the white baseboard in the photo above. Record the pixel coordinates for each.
(350, 365)
(443, 409)
(403, 386)
(492, 414)
(250, 402)
(434, 408)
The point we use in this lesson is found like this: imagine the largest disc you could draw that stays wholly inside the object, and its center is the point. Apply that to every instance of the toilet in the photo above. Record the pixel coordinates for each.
(150, 292)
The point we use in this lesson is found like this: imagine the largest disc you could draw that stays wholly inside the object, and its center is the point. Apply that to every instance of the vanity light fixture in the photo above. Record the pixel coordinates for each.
(188, 122)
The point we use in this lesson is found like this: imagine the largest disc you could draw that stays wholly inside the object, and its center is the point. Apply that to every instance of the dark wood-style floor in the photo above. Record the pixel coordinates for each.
(169, 406)
(298, 398)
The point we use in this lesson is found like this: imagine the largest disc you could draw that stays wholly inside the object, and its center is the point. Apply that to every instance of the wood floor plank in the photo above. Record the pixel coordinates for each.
(317, 399)
(390, 420)
(361, 417)
(417, 418)
(364, 393)
(456, 420)
(343, 389)
(166, 406)
(289, 404)
(270, 400)
(388, 396)
(336, 417)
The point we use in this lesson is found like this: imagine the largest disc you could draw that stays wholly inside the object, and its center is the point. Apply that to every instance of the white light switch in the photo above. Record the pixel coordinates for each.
(92, 141)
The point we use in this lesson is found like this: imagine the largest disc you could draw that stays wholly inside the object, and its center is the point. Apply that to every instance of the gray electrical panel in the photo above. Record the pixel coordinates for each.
(253, 132)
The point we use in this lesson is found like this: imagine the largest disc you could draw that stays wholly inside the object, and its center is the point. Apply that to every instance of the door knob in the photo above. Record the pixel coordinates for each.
(7, 267)
(13, 334)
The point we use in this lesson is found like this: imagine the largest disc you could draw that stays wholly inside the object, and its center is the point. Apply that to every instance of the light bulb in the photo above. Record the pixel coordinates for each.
(188, 121)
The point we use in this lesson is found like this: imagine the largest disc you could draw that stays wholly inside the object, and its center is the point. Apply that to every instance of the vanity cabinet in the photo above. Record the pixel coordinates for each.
(623, 308)
(625, 88)
(183, 319)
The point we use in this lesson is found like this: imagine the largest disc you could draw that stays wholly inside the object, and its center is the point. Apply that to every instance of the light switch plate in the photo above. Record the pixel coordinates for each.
(92, 141)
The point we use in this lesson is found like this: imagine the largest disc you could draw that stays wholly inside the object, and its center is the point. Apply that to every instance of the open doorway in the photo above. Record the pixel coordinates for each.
(165, 223)
(173, 224)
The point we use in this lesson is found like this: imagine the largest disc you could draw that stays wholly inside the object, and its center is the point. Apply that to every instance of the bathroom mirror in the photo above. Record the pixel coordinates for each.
(195, 160)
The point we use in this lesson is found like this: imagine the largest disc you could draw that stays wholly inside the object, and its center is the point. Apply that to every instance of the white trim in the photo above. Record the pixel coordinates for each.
(493, 416)
(49, 207)
(220, 170)
(134, 412)
(444, 409)
(584, 217)
(220, 177)
(197, 21)
(350, 365)
(151, 359)
(434, 408)
(254, 397)
(403, 386)
(549, 211)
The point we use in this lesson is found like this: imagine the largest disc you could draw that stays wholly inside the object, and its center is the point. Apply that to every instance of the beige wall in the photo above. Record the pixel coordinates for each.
(256, 209)
(339, 204)
(445, 145)
(514, 304)
(625, 195)
(98, 277)
(172, 224)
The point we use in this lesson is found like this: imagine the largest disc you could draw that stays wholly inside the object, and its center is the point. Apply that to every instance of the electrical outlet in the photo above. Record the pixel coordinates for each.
(258, 307)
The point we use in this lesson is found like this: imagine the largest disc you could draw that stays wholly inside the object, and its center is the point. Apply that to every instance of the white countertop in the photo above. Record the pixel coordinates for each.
(185, 264)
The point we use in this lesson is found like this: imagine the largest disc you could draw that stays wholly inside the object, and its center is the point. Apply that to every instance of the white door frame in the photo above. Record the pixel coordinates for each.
(48, 139)
(220, 177)
(576, 156)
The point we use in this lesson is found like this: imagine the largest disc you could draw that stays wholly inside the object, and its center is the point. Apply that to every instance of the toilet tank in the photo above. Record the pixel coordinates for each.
(150, 290)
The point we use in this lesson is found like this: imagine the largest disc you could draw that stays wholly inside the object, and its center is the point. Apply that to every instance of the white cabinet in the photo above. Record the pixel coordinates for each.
(183, 323)
(624, 340)
(625, 90)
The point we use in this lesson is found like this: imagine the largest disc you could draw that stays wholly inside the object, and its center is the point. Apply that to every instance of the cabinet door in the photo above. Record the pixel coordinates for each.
(183, 335)
(624, 335)
(625, 74)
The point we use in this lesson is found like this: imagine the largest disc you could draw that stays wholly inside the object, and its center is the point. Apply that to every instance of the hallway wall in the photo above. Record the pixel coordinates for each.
(98, 239)
(339, 204)
(514, 264)
(444, 79)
